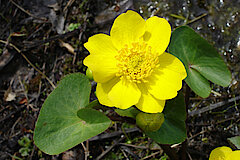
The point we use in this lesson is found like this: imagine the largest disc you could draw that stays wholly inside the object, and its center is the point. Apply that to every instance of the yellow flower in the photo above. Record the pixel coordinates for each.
(235, 155)
(131, 66)
(220, 153)
(224, 153)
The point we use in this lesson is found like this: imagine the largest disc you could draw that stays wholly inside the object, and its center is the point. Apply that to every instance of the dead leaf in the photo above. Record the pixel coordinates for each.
(67, 46)
(9, 95)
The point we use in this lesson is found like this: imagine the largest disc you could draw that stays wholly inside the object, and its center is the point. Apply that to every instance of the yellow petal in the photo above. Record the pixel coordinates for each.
(166, 80)
(127, 28)
(171, 62)
(235, 155)
(158, 33)
(103, 67)
(102, 91)
(124, 94)
(220, 153)
(148, 103)
(101, 44)
(101, 60)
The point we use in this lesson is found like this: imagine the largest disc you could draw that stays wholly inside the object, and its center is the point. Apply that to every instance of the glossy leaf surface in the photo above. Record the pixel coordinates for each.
(201, 60)
(173, 129)
(59, 127)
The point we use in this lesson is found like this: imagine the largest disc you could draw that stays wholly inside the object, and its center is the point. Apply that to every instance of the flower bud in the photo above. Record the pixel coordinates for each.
(149, 122)
(89, 74)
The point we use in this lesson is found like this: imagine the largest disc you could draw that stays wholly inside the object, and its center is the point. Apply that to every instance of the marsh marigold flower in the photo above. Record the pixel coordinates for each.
(131, 66)
(224, 153)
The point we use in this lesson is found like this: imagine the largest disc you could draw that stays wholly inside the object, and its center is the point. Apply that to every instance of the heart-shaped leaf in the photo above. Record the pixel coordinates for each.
(235, 141)
(59, 127)
(201, 60)
(91, 116)
(173, 129)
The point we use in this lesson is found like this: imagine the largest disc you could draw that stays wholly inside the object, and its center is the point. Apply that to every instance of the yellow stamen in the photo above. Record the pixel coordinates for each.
(136, 62)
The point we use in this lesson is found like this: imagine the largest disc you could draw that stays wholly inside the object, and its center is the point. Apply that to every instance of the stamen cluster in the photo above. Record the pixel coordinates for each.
(136, 62)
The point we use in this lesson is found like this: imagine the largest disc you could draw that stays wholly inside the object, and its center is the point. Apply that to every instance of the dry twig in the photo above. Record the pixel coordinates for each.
(19, 51)
(28, 13)
(110, 148)
(213, 106)
(38, 70)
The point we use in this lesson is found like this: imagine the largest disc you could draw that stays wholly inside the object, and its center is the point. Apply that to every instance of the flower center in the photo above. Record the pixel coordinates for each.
(136, 62)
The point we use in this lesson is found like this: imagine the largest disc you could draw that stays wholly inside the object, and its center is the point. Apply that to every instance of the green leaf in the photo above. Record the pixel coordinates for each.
(130, 112)
(58, 127)
(91, 116)
(173, 129)
(201, 60)
(94, 104)
(235, 141)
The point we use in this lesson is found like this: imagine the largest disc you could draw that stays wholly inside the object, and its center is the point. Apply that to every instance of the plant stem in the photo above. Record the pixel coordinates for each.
(183, 149)
(122, 119)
